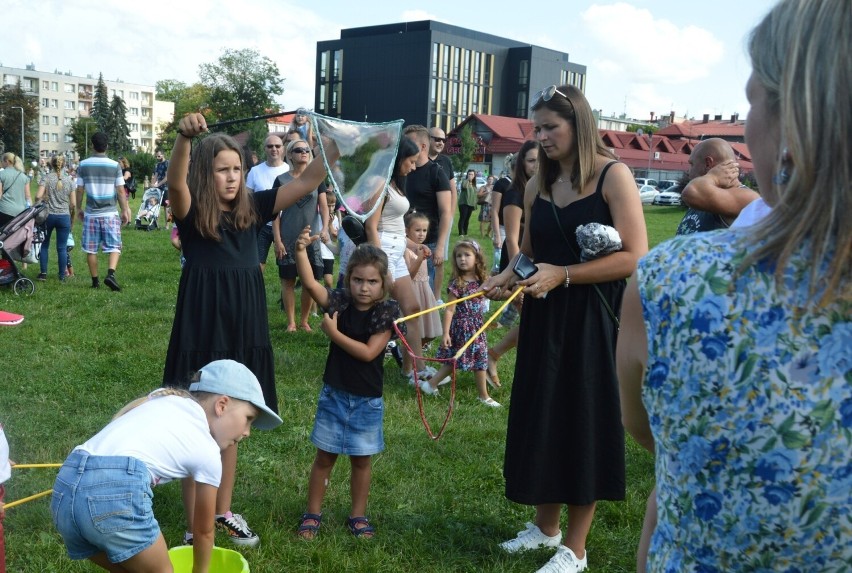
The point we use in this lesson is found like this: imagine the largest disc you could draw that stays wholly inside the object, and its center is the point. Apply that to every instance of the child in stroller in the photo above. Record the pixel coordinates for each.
(149, 211)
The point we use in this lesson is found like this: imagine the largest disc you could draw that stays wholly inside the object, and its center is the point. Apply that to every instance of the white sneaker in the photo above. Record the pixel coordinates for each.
(427, 388)
(491, 402)
(531, 538)
(427, 372)
(565, 562)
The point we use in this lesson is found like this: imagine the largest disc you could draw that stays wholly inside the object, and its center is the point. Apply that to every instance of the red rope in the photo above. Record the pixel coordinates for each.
(419, 393)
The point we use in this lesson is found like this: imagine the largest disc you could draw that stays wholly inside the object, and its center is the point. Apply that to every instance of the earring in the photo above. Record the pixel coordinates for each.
(783, 175)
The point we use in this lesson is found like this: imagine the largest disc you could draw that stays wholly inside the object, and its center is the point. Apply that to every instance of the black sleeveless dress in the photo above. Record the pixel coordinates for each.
(221, 304)
(565, 440)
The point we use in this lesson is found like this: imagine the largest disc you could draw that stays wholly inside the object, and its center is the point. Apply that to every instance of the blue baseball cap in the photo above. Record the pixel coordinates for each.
(230, 378)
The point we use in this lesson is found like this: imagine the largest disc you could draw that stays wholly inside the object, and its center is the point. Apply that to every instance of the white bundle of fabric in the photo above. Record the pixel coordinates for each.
(597, 240)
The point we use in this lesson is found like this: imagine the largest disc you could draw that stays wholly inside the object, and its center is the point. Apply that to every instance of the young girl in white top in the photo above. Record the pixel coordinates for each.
(358, 320)
(102, 499)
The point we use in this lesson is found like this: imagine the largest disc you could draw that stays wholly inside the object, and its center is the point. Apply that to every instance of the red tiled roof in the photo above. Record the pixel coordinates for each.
(507, 134)
(703, 130)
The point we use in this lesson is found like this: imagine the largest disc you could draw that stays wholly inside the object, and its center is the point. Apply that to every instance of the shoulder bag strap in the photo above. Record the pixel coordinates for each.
(576, 256)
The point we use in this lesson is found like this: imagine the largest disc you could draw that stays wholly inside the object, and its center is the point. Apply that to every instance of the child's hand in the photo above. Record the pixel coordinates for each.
(425, 251)
(446, 341)
(192, 124)
(329, 323)
(305, 239)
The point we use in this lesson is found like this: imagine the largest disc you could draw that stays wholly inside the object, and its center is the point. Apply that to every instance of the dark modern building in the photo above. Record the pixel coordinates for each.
(433, 74)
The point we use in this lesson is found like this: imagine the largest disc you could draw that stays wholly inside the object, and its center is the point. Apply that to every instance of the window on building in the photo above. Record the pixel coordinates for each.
(45, 102)
(67, 121)
(464, 101)
(436, 51)
(489, 63)
(474, 108)
(466, 69)
(69, 104)
(69, 88)
(55, 119)
(433, 95)
(323, 65)
(456, 62)
(477, 60)
(45, 119)
(323, 90)
(45, 137)
(54, 137)
(454, 104)
(68, 138)
(521, 111)
(445, 61)
(133, 126)
(524, 74)
(445, 90)
(133, 95)
(54, 103)
(337, 73)
(133, 111)
(45, 85)
(54, 86)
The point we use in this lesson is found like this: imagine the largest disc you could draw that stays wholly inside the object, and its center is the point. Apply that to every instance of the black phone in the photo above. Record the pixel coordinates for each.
(524, 267)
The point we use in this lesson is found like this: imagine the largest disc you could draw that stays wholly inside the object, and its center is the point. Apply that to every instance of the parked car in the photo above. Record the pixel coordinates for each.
(670, 196)
(667, 183)
(640, 181)
(647, 193)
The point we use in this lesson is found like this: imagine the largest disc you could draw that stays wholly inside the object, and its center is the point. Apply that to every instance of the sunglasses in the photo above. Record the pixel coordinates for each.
(273, 147)
(439, 139)
(300, 150)
(545, 95)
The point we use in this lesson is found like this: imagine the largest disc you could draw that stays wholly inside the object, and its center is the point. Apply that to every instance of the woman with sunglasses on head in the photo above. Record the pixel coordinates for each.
(287, 229)
(565, 441)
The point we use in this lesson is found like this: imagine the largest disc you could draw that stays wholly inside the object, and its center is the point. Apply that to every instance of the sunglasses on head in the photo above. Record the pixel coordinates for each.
(300, 150)
(439, 139)
(546, 94)
(273, 146)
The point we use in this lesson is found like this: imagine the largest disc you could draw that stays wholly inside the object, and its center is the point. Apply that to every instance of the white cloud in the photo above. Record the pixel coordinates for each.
(642, 48)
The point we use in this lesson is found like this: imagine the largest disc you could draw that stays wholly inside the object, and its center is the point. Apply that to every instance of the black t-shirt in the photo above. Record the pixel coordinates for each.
(421, 188)
(502, 187)
(445, 164)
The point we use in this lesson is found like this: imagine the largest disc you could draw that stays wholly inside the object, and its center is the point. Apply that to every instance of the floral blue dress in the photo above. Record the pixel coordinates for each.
(469, 317)
(749, 397)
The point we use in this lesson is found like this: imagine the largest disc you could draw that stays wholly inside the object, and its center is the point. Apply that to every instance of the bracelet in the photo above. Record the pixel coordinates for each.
(567, 278)
(179, 132)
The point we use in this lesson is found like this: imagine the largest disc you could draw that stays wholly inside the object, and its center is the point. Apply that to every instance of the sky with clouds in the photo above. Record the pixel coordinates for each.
(641, 55)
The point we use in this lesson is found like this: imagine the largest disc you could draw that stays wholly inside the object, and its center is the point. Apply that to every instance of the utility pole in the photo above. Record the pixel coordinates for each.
(22, 130)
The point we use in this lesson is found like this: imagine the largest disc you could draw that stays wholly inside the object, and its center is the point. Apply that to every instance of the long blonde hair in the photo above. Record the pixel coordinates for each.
(57, 162)
(795, 57)
(167, 391)
(14, 161)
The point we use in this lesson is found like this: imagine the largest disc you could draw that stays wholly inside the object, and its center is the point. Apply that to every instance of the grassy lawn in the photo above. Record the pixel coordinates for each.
(439, 506)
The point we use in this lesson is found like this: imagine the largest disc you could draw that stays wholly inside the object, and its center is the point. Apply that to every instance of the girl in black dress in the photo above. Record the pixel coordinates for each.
(221, 306)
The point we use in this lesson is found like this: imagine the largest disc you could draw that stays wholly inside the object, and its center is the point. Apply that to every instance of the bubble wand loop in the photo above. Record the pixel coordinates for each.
(439, 307)
(501, 308)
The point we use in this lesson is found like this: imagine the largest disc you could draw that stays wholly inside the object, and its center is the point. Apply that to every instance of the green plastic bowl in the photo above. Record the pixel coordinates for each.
(221, 560)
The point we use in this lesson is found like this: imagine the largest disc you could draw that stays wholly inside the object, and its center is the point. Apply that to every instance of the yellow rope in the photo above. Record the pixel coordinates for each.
(440, 306)
(487, 322)
(26, 466)
(26, 499)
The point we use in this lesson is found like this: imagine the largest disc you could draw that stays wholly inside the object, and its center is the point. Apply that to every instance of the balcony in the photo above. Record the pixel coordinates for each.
(84, 95)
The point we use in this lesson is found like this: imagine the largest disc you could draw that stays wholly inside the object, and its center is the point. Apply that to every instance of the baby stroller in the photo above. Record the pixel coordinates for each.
(18, 242)
(148, 215)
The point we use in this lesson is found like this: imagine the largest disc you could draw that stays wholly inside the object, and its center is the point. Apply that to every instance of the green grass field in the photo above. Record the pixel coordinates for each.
(439, 506)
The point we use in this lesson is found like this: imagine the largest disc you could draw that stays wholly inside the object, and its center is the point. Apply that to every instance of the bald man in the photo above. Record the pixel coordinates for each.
(262, 176)
(714, 193)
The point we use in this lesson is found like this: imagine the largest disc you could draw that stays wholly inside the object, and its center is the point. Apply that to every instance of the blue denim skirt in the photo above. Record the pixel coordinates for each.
(104, 504)
(348, 424)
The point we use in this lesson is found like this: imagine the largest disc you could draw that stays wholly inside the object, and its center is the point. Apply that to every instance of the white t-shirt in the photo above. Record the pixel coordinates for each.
(751, 213)
(335, 225)
(262, 177)
(5, 467)
(170, 434)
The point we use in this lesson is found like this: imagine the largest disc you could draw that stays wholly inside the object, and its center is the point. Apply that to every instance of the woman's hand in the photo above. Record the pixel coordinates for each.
(499, 286)
(192, 124)
(547, 278)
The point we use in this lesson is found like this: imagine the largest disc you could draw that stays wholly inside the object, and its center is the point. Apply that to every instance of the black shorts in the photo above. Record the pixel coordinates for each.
(288, 272)
(328, 266)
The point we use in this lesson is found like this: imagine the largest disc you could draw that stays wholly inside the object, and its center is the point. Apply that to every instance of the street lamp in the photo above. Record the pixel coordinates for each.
(87, 140)
(22, 130)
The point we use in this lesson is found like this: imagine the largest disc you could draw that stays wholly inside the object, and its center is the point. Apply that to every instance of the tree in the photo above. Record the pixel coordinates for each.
(187, 99)
(100, 105)
(241, 84)
(467, 148)
(117, 129)
(79, 132)
(12, 96)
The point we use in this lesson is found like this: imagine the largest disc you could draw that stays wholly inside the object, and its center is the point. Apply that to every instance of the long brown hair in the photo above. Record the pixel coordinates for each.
(574, 108)
(202, 189)
(478, 268)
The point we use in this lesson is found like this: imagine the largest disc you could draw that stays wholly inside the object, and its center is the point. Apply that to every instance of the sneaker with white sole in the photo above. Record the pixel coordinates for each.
(427, 388)
(237, 530)
(531, 538)
(565, 562)
(490, 402)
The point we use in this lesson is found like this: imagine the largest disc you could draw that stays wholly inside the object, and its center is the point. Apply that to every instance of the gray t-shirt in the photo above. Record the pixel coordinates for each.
(14, 200)
(99, 176)
(57, 199)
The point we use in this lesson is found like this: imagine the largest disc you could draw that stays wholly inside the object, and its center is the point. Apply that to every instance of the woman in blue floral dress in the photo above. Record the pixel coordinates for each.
(735, 354)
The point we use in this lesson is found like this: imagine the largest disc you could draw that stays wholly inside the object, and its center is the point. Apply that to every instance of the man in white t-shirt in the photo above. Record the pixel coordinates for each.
(262, 176)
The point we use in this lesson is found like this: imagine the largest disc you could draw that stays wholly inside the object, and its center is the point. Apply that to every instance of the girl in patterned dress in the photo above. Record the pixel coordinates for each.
(462, 320)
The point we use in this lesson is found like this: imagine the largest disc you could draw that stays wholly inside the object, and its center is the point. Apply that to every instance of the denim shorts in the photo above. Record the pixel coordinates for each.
(348, 424)
(103, 504)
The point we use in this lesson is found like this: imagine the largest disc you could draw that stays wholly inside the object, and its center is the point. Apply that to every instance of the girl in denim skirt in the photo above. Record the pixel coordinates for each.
(358, 320)
(102, 499)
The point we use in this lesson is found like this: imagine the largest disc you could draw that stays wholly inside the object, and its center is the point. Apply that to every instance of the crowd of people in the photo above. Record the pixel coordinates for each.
(726, 354)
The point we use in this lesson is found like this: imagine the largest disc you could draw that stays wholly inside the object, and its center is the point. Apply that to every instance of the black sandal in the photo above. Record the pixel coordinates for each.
(307, 530)
(366, 531)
